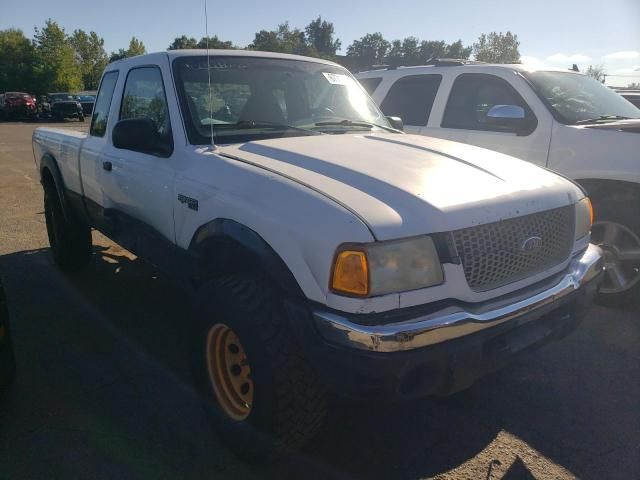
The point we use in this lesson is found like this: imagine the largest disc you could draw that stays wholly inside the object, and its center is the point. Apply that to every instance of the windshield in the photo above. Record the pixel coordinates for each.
(576, 98)
(256, 98)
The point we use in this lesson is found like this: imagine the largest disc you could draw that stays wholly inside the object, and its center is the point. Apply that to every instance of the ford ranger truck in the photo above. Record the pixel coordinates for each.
(326, 251)
(555, 118)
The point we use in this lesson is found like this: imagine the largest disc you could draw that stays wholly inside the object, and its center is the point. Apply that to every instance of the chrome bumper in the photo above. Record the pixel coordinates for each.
(455, 322)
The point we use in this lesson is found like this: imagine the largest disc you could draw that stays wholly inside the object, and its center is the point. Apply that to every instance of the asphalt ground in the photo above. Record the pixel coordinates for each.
(103, 384)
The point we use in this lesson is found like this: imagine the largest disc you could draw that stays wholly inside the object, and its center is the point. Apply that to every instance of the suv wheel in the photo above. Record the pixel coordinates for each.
(70, 240)
(617, 232)
(259, 391)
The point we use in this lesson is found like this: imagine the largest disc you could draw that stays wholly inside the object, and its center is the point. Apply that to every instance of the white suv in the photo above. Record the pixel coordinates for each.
(554, 118)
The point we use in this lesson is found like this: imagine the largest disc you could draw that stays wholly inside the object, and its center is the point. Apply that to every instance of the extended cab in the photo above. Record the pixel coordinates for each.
(559, 119)
(325, 249)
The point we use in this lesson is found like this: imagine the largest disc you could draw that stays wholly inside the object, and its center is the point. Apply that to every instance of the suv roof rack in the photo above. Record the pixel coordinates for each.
(451, 62)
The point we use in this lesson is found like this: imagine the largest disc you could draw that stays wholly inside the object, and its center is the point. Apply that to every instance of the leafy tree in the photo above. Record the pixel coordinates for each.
(457, 50)
(56, 65)
(497, 48)
(17, 62)
(215, 43)
(91, 56)
(282, 40)
(320, 38)
(183, 42)
(136, 47)
(372, 48)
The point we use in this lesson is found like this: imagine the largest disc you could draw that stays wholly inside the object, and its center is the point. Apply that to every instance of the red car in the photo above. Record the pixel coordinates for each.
(18, 105)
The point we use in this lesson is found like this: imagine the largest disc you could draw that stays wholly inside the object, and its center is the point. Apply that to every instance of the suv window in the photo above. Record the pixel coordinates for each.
(103, 104)
(411, 98)
(471, 98)
(144, 97)
(370, 84)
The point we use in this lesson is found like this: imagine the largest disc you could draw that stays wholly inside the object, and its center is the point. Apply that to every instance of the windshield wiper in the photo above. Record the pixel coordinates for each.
(248, 124)
(602, 118)
(351, 123)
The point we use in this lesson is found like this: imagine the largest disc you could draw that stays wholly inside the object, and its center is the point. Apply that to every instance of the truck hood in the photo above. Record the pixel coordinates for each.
(404, 185)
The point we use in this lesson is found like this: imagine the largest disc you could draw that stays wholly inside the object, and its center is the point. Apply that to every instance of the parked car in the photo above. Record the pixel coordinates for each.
(559, 119)
(18, 105)
(631, 95)
(324, 249)
(65, 105)
(87, 102)
(7, 358)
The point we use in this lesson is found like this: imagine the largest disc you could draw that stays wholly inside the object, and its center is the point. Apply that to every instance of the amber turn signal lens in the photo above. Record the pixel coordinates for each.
(591, 214)
(351, 273)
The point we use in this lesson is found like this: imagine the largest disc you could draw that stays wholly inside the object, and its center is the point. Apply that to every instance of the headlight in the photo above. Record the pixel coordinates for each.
(386, 267)
(584, 218)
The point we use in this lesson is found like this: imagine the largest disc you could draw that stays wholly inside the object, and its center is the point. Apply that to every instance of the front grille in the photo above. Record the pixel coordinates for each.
(493, 255)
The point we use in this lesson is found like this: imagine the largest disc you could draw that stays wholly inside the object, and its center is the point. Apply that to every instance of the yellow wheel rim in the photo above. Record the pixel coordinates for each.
(229, 372)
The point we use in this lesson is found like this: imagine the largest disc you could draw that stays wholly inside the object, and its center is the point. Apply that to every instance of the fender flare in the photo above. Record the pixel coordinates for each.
(49, 163)
(248, 241)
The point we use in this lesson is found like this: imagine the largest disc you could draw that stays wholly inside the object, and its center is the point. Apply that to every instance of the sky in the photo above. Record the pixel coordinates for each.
(551, 32)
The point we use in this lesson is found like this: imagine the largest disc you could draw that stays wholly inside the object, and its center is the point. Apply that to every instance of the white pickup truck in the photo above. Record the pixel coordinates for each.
(555, 118)
(326, 250)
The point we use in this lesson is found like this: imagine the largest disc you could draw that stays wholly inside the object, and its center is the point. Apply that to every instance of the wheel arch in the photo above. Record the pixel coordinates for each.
(50, 174)
(225, 246)
(599, 189)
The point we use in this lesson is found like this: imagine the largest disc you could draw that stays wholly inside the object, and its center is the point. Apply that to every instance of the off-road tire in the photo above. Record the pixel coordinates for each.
(289, 402)
(81, 118)
(70, 239)
(620, 211)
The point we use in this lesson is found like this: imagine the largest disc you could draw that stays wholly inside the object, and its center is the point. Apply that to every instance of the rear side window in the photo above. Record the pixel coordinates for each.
(103, 104)
(144, 97)
(471, 98)
(370, 84)
(411, 98)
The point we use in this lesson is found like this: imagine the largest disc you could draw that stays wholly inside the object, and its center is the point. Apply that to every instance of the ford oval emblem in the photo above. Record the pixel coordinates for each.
(531, 245)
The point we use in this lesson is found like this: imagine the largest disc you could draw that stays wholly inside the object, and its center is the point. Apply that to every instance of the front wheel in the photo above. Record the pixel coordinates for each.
(617, 232)
(69, 238)
(260, 392)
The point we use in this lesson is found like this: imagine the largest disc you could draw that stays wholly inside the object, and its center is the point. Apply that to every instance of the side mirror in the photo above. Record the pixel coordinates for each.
(396, 122)
(511, 117)
(140, 135)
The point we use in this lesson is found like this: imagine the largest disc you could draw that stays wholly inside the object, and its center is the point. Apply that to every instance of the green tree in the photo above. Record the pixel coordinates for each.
(497, 48)
(458, 50)
(320, 38)
(282, 40)
(56, 64)
(183, 42)
(215, 43)
(17, 62)
(136, 47)
(372, 48)
(91, 56)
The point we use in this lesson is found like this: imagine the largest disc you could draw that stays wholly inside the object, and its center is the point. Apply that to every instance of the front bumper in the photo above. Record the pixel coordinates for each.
(443, 351)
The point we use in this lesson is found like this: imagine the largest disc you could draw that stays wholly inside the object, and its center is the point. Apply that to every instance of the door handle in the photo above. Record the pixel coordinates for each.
(107, 165)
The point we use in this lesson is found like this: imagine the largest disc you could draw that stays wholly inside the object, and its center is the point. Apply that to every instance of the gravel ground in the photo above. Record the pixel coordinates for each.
(102, 389)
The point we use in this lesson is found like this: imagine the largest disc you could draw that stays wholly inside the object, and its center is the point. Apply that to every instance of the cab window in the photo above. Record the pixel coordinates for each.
(103, 104)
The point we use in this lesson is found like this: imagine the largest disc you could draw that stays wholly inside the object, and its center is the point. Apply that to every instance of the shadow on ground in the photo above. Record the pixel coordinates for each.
(103, 392)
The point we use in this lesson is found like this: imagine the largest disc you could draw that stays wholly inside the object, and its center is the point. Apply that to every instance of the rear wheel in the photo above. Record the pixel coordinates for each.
(260, 392)
(69, 238)
(617, 232)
